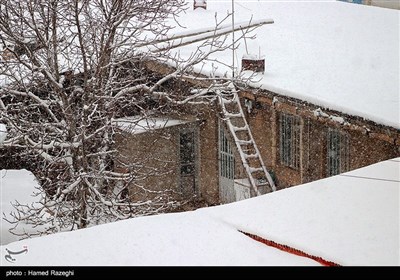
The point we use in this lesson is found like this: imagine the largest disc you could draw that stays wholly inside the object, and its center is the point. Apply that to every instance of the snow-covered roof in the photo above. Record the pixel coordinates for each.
(332, 54)
(138, 124)
(350, 219)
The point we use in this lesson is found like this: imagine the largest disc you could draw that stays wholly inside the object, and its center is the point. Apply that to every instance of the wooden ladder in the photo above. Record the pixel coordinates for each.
(260, 180)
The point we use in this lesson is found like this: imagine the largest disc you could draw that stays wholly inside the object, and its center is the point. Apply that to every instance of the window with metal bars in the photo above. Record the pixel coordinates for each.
(290, 140)
(338, 152)
(227, 159)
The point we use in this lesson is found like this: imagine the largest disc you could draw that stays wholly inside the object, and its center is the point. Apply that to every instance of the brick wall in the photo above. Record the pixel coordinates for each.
(369, 143)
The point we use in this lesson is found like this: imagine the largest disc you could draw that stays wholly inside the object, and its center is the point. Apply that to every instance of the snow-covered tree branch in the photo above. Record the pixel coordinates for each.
(68, 70)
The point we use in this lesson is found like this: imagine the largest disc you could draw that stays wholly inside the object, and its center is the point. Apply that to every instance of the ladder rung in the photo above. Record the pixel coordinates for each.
(233, 115)
(230, 94)
(237, 129)
(245, 142)
(228, 101)
(253, 170)
(251, 155)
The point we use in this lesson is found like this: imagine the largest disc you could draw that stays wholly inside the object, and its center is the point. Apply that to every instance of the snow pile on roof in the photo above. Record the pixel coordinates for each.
(3, 132)
(15, 185)
(339, 56)
(351, 219)
(138, 124)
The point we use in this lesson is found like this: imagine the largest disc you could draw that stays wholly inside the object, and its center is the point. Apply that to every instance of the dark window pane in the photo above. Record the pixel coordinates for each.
(187, 162)
(187, 151)
(187, 169)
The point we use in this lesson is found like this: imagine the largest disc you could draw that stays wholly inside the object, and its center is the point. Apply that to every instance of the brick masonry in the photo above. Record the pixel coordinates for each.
(369, 143)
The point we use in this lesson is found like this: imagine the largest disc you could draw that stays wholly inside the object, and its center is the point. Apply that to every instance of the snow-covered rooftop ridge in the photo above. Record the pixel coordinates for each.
(138, 124)
(350, 219)
(338, 56)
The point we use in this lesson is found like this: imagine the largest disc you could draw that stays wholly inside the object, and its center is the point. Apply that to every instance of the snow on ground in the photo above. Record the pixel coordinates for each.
(351, 219)
(333, 54)
(15, 185)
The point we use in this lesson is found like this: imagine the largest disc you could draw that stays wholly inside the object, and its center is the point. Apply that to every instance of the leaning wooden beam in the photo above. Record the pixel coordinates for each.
(203, 31)
(187, 39)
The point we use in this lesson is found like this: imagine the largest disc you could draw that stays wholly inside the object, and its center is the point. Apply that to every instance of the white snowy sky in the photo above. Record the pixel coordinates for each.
(351, 219)
(338, 55)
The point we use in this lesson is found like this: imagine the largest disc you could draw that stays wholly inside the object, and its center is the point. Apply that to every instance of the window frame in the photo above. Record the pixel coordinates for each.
(337, 152)
(289, 140)
(226, 155)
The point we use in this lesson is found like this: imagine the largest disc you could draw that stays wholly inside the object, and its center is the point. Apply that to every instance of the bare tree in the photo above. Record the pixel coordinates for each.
(69, 69)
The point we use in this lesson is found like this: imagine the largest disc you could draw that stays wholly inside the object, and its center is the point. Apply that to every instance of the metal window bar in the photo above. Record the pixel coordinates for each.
(227, 160)
(344, 153)
(333, 152)
(296, 142)
(283, 140)
(338, 152)
(290, 140)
